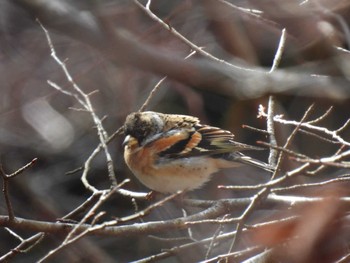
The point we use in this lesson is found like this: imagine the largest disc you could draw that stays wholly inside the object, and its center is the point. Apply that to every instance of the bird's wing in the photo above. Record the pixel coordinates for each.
(197, 140)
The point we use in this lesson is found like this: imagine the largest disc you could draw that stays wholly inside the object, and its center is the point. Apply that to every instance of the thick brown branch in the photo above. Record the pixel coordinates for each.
(217, 208)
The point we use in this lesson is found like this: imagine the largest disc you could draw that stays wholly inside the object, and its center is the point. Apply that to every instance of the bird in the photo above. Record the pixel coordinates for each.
(169, 152)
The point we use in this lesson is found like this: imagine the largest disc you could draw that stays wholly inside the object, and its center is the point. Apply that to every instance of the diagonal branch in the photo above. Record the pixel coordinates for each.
(122, 47)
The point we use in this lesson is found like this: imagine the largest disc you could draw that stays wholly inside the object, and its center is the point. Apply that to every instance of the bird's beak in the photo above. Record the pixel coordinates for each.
(126, 140)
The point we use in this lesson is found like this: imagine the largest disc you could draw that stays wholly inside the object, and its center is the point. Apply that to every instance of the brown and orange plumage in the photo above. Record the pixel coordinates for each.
(169, 152)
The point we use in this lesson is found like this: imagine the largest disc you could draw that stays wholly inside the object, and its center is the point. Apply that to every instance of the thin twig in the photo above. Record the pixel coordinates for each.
(283, 149)
(292, 135)
(214, 239)
(331, 161)
(233, 255)
(279, 52)
(152, 93)
(83, 207)
(271, 131)
(321, 167)
(157, 86)
(270, 183)
(22, 169)
(84, 100)
(344, 259)
(147, 210)
(214, 221)
(262, 194)
(254, 129)
(343, 127)
(324, 115)
(174, 32)
(271, 105)
(297, 186)
(5, 191)
(320, 137)
(23, 247)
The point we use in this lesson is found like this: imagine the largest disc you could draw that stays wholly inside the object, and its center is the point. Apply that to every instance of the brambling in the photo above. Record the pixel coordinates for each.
(169, 152)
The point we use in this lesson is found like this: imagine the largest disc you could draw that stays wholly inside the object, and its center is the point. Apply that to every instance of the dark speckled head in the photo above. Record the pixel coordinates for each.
(141, 125)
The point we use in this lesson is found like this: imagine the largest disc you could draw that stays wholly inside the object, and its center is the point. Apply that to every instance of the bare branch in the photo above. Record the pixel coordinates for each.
(84, 100)
(279, 52)
(25, 246)
(333, 134)
(5, 188)
(271, 104)
(173, 31)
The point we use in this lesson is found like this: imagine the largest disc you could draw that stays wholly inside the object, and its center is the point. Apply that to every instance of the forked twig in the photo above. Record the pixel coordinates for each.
(5, 188)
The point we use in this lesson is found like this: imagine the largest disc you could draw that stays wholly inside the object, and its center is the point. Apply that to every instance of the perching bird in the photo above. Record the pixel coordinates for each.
(169, 152)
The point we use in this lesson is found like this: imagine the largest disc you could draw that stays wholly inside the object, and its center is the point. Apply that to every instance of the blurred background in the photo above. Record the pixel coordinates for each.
(37, 121)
